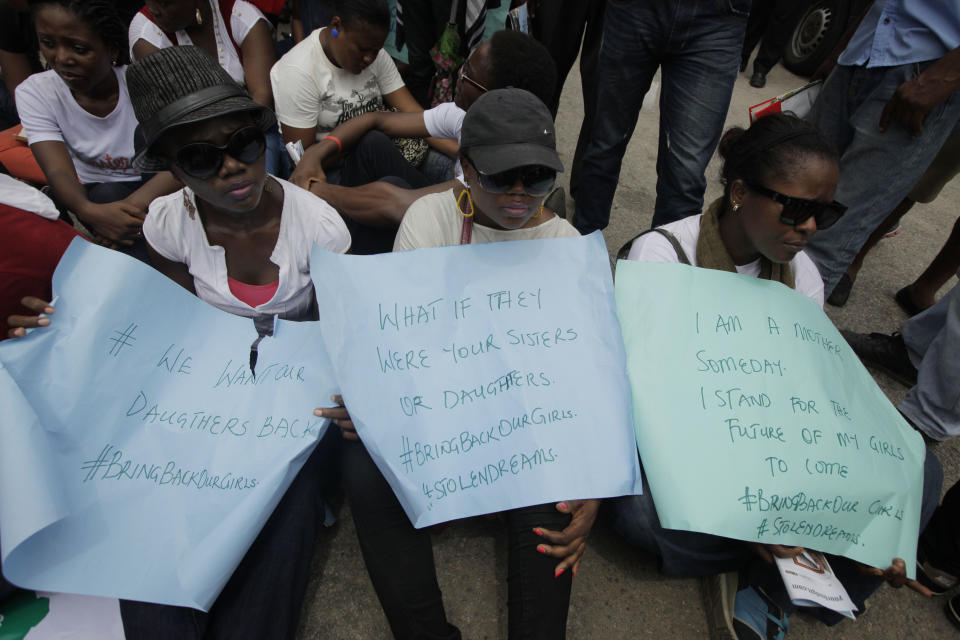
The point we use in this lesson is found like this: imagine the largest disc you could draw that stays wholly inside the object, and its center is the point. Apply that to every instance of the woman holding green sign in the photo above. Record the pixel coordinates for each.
(779, 178)
(509, 159)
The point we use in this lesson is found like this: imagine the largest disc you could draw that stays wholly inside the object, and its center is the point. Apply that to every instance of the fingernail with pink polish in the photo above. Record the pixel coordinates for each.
(557, 573)
(541, 548)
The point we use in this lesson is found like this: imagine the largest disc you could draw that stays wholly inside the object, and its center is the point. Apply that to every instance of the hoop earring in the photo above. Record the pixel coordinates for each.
(199, 17)
(334, 32)
(465, 192)
(539, 212)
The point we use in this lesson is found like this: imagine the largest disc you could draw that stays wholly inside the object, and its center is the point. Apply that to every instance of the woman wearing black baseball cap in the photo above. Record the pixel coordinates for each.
(510, 162)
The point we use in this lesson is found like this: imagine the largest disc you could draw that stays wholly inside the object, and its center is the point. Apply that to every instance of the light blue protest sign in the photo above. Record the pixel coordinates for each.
(755, 420)
(483, 377)
(139, 453)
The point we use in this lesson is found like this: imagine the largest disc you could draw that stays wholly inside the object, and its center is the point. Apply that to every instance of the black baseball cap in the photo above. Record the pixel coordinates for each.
(509, 128)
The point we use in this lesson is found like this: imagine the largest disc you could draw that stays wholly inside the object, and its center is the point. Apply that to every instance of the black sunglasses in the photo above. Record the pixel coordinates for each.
(204, 159)
(537, 180)
(799, 210)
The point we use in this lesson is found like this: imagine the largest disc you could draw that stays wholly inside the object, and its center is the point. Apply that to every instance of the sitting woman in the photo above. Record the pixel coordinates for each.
(779, 177)
(80, 124)
(507, 59)
(241, 240)
(510, 162)
(339, 72)
(234, 32)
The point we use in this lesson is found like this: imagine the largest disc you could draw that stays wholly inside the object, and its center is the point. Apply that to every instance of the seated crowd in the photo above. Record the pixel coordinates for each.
(165, 134)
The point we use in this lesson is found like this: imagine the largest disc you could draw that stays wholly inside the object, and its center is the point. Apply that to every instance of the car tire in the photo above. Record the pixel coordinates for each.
(816, 32)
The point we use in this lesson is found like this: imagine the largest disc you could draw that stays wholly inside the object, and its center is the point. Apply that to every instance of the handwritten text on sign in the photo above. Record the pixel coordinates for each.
(136, 434)
(485, 377)
(759, 408)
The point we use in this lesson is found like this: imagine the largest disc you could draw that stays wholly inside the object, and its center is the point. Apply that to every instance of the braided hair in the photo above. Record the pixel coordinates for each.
(770, 149)
(102, 18)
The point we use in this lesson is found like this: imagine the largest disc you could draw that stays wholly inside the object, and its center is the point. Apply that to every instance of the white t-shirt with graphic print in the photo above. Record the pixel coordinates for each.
(101, 148)
(310, 91)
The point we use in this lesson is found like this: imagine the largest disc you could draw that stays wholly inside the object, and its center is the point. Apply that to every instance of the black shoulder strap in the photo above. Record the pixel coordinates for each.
(672, 239)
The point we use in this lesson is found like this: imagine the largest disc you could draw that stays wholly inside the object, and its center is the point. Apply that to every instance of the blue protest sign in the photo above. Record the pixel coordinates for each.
(139, 453)
(755, 420)
(483, 377)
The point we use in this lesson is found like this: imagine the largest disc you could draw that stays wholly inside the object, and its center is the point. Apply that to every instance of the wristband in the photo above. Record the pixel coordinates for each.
(337, 140)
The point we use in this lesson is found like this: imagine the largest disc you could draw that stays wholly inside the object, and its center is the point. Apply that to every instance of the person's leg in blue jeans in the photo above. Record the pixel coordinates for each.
(877, 168)
(933, 342)
(697, 74)
(681, 553)
(633, 34)
(698, 46)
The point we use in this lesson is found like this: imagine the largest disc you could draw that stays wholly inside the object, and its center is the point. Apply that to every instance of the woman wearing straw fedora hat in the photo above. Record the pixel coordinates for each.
(240, 239)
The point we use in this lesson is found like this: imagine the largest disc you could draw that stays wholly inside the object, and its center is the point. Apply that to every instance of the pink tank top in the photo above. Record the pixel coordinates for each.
(253, 294)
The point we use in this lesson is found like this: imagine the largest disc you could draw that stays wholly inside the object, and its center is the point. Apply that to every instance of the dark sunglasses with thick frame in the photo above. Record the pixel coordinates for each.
(798, 210)
(203, 160)
(537, 180)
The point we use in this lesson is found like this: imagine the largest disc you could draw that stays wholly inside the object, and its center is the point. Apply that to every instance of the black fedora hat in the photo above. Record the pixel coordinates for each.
(183, 85)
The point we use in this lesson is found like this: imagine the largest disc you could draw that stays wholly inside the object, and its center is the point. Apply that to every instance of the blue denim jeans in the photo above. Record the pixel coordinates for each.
(933, 342)
(877, 169)
(688, 553)
(697, 47)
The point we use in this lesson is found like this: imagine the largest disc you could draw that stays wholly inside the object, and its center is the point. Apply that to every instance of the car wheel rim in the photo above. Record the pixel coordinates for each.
(811, 31)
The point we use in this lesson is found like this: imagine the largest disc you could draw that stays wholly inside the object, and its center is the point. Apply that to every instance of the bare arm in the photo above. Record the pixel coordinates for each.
(159, 185)
(142, 48)
(258, 58)
(378, 204)
(306, 136)
(914, 99)
(403, 100)
(16, 68)
(116, 221)
(176, 271)
(325, 152)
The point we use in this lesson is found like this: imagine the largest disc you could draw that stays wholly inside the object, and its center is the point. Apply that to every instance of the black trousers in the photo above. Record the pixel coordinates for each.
(561, 26)
(399, 560)
(769, 25)
(940, 541)
(423, 23)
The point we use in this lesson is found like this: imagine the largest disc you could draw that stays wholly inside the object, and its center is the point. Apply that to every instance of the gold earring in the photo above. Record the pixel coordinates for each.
(199, 17)
(465, 192)
(539, 211)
